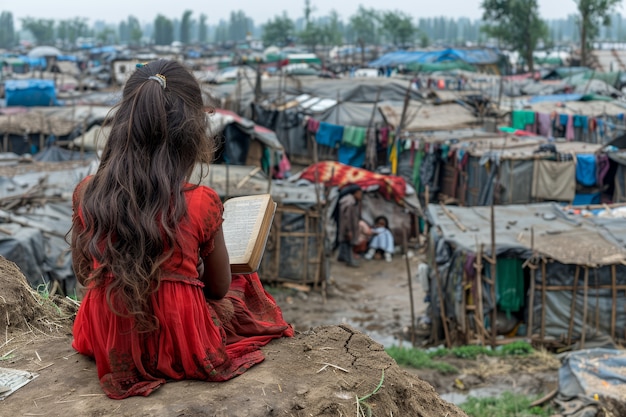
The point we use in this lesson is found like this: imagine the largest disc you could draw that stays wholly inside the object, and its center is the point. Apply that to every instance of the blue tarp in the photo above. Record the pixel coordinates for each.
(102, 50)
(30, 93)
(555, 97)
(71, 58)
(470, 56)
(34, 62)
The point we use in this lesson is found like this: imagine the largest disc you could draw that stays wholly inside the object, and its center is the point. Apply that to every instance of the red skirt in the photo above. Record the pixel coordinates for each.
(196, 339)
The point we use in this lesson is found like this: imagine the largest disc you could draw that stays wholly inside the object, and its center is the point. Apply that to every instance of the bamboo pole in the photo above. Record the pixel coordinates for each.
(245, 179)
(544, 280)
(614, 297)
(583, 330)
(464, 319)
(408, 271)
(494, 267)
(322, 220)
(533, 274)
(595, 276)
(306, 248)
(453, 217)
(479, 292)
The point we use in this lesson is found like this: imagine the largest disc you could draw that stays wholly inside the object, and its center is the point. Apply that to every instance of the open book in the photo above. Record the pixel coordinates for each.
(247, 223)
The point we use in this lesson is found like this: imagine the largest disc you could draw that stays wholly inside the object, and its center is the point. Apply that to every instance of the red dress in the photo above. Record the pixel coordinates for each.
(196, 339)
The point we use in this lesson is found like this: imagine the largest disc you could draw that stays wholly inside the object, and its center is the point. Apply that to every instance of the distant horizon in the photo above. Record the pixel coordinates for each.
(115, 11)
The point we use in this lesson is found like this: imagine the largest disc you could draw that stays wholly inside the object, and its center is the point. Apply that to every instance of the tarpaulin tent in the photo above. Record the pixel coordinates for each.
(569, 272)
(33, 92)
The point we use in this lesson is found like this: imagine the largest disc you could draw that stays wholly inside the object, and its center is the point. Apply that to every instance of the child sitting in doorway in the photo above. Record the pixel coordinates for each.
(382, 239)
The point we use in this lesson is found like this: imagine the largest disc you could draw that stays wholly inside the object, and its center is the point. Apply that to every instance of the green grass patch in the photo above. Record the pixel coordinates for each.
(507, 405)
(426, 359)
(518, 348)
(418, 359)
(471, 351)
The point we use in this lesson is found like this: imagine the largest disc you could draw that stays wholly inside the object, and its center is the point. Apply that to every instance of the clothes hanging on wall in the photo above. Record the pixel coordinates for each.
(554, 180)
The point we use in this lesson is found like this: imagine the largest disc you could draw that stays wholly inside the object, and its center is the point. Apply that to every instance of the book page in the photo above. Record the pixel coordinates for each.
(242, 220)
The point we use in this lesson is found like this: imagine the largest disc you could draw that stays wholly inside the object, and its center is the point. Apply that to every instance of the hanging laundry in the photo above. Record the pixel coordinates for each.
(586, 169)
(313, 125)
(520, 119)
(417, 165)
(544, 125)
(569, 128)
(510, 284)
(393, 158)
(602, 168)
(329, 135)
(350, 155)
(554, 180)
(384, 136)
(354, 136)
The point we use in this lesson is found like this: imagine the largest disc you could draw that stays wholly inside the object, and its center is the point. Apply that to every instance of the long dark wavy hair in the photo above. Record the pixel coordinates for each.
(134, 203)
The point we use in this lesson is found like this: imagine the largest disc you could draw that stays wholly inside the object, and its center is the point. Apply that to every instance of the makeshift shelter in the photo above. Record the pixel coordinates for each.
(386, 195)
(27, 129)
(30, 93)
(36, 214)
(483, 60)
(341, 103)
(515, 170)
(594, 121)
(535, 271)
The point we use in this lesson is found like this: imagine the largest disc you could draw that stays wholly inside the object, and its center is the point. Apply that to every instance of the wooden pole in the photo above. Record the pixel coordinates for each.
(321, 237)
(544, 280)
(614, 297)
(464, 320)
(426, 226)
(453, 217)
(479, 294)
(585, 287)
(533, 275)
(572, 310)
(494, 265)
(408, 271)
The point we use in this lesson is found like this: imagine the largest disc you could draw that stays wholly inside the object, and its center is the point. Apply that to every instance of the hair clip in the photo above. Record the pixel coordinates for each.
(141, 64)
(160, 78)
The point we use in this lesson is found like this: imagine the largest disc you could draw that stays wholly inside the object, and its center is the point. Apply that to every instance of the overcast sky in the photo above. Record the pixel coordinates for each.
(114, 11)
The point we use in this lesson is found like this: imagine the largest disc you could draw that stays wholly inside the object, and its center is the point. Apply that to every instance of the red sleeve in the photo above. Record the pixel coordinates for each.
(211, 211)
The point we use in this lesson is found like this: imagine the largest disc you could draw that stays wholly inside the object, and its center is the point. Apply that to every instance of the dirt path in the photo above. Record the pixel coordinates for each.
(373, 298)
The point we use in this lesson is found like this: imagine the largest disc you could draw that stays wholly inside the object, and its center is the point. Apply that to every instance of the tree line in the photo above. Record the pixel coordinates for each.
(512, 24)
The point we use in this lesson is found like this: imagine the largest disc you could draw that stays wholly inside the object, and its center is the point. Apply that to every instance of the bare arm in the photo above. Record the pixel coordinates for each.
(217, 275)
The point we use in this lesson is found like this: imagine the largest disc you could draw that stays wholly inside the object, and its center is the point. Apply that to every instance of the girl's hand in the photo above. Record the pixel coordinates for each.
(200, 267)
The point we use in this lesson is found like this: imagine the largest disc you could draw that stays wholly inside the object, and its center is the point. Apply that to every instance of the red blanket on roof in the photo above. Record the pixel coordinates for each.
(337, 174)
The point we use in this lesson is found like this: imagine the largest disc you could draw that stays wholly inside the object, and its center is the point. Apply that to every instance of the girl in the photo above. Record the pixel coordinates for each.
(161, 303)
(382, 239)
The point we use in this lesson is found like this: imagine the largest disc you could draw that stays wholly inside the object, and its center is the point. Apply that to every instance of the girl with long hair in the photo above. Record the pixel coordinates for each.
(161, 302)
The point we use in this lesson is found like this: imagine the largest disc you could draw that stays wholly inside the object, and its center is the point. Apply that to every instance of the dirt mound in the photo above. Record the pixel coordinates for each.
(323, 372)
(326, 371)
(22, 309)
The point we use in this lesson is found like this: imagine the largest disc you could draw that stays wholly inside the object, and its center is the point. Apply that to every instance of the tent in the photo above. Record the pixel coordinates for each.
(30, 92)
(540, 271)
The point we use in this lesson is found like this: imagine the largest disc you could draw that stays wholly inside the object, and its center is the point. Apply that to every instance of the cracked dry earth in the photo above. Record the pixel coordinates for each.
(320, 372)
